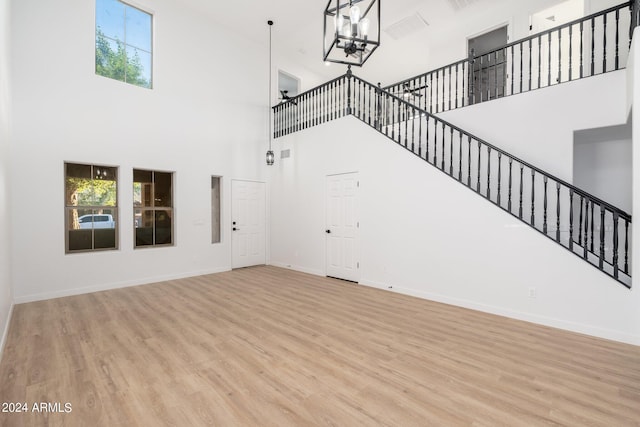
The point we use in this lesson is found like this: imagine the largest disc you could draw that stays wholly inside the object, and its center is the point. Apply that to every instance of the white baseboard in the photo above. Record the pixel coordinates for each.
(5, 332)
(527, 317)
(116, 285)
(298, 268)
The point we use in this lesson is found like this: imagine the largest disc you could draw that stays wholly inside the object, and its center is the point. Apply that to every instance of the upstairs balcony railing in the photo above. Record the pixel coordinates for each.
(587, 226)
(592, 45)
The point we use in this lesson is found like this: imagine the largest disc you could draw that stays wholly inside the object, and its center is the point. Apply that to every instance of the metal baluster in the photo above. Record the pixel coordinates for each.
(480, 90)
(413, 129)
(443, 89)
(348, 90)
(520, 68)
(449, 87)
(456, 104)
(604, 44)
(443, 140)
(499, 176)
(617, 62)
(426, 148)
(557, 212)
(539, 61)
(521, 188)
(469, 164)
(430, 93)
(593, 46)
(460, 157)
(463, 79)
(592, 226)
(549, 55)
(586, 229)
(570, 52)
(370, 107)
(533, 197)
(437, 90)
(559, 55)
(544, 206)
(435, 143)
(580, 223)
(601, 260)
(510, 182)
(512, 68)
(615, 245)
(489, 173)
(581, 48)
(479, 167)
(530, 67)
(406, 125)
(393, 125)
(420, 134)
(451, 152)
(571, 219)
(626, 246)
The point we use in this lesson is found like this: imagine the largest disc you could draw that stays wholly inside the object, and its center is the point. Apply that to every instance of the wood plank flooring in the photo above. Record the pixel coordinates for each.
(265, 346)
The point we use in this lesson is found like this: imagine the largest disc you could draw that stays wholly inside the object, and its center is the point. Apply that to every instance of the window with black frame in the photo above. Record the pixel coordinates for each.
(91, 207)
(153, 208)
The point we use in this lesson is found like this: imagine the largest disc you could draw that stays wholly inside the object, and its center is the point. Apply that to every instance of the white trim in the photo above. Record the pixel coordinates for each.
(298, 268)
(513, 314)
(5, 333)
(115, 285)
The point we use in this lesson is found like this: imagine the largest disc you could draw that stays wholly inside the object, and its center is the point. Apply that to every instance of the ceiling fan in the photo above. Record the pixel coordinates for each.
(407, 91)
(284, 97)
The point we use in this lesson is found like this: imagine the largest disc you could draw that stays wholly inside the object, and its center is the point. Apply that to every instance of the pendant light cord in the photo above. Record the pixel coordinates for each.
(270, 83)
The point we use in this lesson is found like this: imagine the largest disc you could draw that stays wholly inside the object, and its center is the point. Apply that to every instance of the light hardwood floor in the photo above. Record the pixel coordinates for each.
(266, 346)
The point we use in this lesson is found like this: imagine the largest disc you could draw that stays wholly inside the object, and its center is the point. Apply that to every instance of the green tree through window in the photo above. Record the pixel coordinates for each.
(123, 43)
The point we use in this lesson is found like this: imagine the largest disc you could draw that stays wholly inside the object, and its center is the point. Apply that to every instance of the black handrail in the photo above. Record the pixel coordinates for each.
(581, 48)
(599, 238)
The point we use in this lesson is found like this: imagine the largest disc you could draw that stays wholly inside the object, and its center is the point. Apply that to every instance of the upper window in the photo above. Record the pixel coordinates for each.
(123, 42)
(153, 207)
(91, 212)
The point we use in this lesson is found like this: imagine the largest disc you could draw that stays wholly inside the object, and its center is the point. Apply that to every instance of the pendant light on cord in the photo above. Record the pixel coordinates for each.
(270, 155)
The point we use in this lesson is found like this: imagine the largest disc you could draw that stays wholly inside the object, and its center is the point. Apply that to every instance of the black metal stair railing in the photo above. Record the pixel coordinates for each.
(592, 45)
(591, 228)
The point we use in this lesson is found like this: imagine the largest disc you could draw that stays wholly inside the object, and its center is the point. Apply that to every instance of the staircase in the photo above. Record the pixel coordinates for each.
(585, 225)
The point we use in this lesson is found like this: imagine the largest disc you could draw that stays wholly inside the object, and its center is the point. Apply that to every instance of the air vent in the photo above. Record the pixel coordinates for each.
(406, 26)
(460, 4)
(285, 154)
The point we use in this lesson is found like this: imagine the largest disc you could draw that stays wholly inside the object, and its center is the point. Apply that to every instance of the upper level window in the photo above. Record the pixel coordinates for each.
(91, 211)
(123, 42)
(153, 207)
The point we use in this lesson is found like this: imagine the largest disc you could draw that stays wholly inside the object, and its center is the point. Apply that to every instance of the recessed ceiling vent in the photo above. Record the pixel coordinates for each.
(460, 4)
(406, 26)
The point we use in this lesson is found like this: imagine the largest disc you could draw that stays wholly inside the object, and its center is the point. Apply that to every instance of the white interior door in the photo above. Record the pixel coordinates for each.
(342, 226)
(248, 224)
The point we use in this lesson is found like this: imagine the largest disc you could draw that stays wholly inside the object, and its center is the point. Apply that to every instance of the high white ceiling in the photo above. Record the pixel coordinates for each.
(297, 32)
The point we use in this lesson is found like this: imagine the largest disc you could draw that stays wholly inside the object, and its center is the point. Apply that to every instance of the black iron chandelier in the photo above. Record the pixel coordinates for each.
(351, 30)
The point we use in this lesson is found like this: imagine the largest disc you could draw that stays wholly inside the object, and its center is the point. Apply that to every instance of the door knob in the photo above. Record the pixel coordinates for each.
(328, 231)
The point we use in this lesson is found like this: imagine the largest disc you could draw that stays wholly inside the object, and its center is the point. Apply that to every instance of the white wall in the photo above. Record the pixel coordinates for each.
(207, 115)
(472, 255)
(5, 223)
(602, 164)
(540, 124)
(633, 74)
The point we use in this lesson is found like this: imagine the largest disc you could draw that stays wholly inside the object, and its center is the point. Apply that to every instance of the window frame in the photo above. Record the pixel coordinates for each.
(153, 209)
(67, 208)
(151, 52)
(213, 213)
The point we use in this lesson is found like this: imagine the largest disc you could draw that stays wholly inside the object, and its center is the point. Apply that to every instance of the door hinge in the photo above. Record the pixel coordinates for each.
(358, 184)
(358, 224)
(358, 264)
